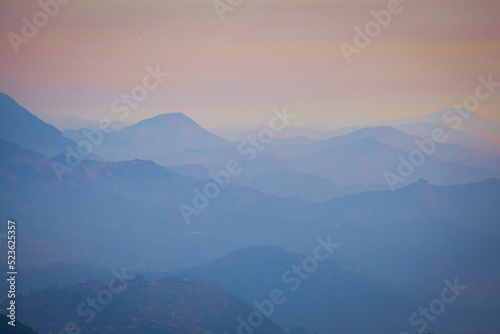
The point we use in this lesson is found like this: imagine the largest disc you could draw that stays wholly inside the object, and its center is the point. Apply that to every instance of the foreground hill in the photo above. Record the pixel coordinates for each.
(170, 305)
(19, 328)
(127, 213)
(350, 301)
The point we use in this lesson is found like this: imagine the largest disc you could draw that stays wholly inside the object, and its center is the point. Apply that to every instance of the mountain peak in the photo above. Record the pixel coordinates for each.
(157, 136)
(175, 117)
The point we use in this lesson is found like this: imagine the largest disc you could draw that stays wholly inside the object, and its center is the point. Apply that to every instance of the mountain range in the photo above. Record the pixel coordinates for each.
(74, 123)
(253, 273)
(169, 305)
(120, 208)
(157, 136)
(19, 126)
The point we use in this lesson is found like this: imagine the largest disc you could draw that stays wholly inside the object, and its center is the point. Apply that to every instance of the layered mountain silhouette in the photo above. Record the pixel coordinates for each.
(462, 119)
(458, 137)
(141, 198)
(359, 158)
(157, 136)
(365, 162)
(19, 126)
(286, 183)
(252, 274)
(19, 328)
(74, 123)
(356, 161)
(169, 305)
(397, 248)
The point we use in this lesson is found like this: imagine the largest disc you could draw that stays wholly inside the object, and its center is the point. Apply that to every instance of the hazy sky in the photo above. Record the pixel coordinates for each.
(265, 54)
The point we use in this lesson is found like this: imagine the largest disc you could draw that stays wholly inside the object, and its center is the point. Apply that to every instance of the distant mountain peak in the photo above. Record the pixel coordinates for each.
(168, 118)
(423, 181)
(155, 137)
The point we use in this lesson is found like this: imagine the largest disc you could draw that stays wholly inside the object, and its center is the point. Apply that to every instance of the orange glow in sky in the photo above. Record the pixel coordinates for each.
(264, 55)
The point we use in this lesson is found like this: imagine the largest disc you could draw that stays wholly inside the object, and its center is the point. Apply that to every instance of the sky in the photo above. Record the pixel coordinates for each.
(263, 55)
